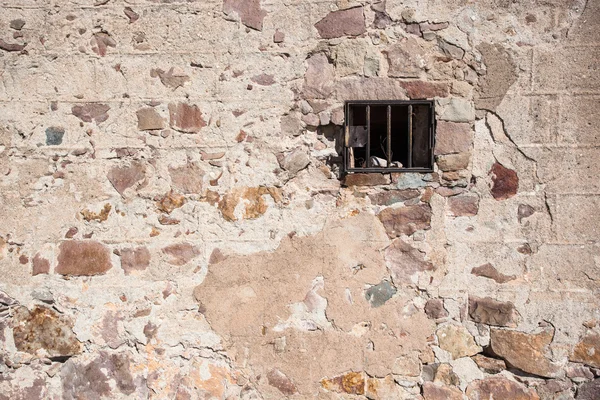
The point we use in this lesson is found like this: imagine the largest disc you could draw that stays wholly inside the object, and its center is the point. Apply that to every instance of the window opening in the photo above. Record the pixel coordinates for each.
(391, 136)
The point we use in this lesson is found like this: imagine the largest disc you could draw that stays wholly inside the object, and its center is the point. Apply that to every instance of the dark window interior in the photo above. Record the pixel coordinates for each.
(369, 145)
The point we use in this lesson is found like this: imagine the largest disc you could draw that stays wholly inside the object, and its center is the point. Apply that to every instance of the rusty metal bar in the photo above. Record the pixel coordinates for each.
(410, 135)
(389, 136)
(368, 136)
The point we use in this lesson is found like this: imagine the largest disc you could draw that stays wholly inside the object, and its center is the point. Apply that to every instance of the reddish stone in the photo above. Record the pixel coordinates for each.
(278, 37)
(488, 271)
(181, 253)
(170, 202)
(135, 259)
(453, 162)
(366, 179)
(83, 258)
(488, 364)
(389, 197)
(319, 77)
(123, 178)
(23, 259)
(91, 112)
(424, 90)
(149, 119)
(406, 220)
(351, 383)
(452, 137)
(434, 391)
(587, 351)
(263, 79)
(447, 192)
(499, 388)
(434, 308)
(132, 15)
(39, 265)
(186, 118)
(187, 179)
(464, 205)
(524, 351)
(44, 329)
(11, 46)
(277, 379)
(491, 312)
(403, 261)
(350, 22)
(249, 12)
(101, 41)
(505, 182)
(589, 391)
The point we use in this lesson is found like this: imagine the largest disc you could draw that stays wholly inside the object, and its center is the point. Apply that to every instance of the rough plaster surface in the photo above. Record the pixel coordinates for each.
(175, 224)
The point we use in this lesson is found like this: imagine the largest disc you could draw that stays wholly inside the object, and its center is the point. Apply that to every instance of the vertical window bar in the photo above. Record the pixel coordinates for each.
(368, 136)
(410, 135)
(389, 136)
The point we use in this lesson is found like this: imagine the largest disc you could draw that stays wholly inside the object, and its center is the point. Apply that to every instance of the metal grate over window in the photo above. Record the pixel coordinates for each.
(389, 136)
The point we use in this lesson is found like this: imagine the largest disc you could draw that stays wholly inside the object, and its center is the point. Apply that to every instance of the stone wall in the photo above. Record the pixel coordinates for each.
(175, 224)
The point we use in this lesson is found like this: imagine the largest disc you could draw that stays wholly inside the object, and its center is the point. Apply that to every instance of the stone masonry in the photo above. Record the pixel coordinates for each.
(176, 224)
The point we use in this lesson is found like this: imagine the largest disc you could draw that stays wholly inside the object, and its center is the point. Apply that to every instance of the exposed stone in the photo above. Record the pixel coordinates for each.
(101, 41)
(351, 383)
(187, 179)
(489, 271)
(456, 340)
(149, 119)
(43, 329)
(54, 135)
(505, 182)
(425, 90)
(524, 211)
(263, 79)
(294, 162)
(488, 364)
(94, 379)
(311, 119)
(448, 192)
(589, 391)
(406, 220)
(278, 36)
(456, 110)
(451, 50)
(170, 202)
(406, 60)
(171, 78)
(445, 375)
(40, 265)
(181, 253)
(462, 206)
(403, 261)
(135, 259)
(253, 200)
(378, 294)
(499, 388)
(349, 22)
(318, 80)
(555, 389)
(91, 112)
(453, 162)
(123, 178)
(501, 73)
(587, 351)
(389, 197)
(100, 216)
(248, 11)
(374, 179)
(132, 15)
(452, 137)
(407, 365)
(17, 24)
(434, 308)
(278, 380)
(434, 391)
(526, 352)
(579, 373)
(492, 312)
(83, 258)
(4, 45)
(385, 389)
(185, 118)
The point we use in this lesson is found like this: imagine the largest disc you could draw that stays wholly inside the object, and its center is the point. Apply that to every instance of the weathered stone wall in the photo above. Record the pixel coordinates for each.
(174, 222)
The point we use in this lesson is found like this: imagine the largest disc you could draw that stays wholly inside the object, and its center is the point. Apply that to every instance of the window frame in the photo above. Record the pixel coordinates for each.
(389, 103)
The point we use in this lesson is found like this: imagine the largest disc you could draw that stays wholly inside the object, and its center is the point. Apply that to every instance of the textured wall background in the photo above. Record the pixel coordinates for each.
(174, 223)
